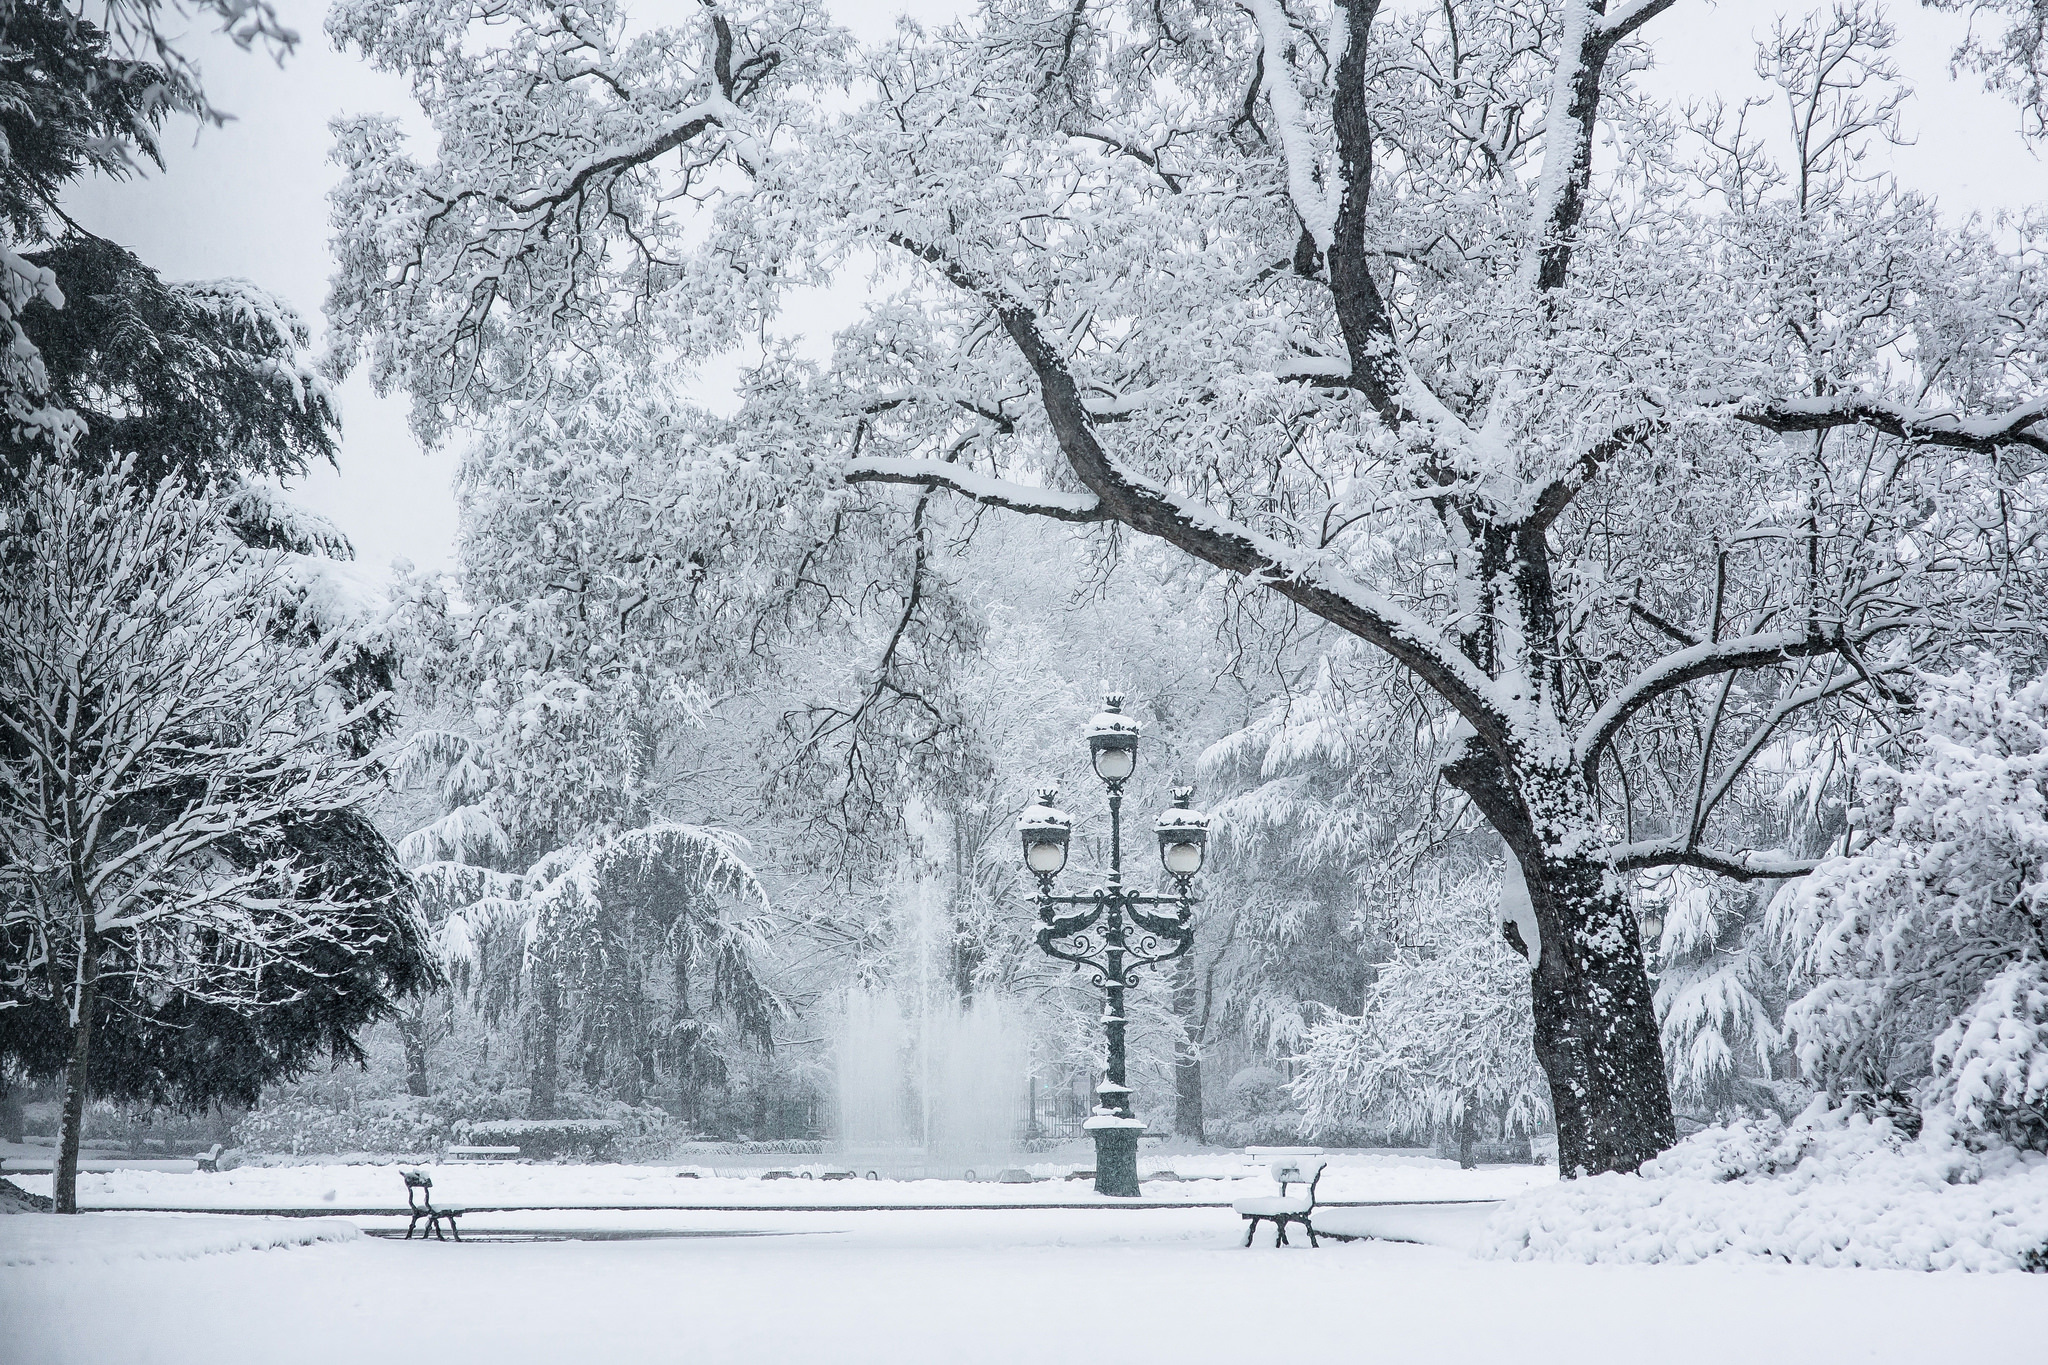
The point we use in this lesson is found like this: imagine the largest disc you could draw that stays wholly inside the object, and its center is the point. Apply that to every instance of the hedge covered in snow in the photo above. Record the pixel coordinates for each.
(589, 1139)
(1830, 1189)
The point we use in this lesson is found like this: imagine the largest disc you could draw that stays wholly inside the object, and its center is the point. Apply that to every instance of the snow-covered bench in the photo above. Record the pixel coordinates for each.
(1285, 1208)
(419, 1197)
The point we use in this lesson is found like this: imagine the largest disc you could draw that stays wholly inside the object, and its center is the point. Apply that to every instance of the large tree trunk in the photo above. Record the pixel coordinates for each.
(412, 1031)
(77, 1069)
(1468, 1134)
(1596, 1029)
(1187, 1054)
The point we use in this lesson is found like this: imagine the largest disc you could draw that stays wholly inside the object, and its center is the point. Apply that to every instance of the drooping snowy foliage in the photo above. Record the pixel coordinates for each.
(1923, 953)
(557, 683)
(206, 379)
(1316, 798)
(1443, 1043)
(1720, 991)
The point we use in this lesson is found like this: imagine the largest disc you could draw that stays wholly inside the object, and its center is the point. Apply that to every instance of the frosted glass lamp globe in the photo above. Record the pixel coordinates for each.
(1113, 741)
(1115, 765)
(1045, 857)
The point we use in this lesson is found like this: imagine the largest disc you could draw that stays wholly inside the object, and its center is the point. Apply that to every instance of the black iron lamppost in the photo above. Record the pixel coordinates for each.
(1115, 932)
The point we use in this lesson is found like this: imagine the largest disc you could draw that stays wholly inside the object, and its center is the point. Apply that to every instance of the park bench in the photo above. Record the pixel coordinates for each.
(208, 1160)
(483, 1153)
(1285, 1208)
(419, 1197)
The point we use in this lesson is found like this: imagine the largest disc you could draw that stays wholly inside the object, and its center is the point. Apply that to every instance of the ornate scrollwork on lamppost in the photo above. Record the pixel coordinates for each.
(1113, 932)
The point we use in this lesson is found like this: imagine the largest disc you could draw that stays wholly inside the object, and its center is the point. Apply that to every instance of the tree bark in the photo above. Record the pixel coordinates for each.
(1596, 1029)
(77, 1070)
(547, 1043)
(1468, 1133)
(1187, 1054)
(412, 1031)
(13, 1118)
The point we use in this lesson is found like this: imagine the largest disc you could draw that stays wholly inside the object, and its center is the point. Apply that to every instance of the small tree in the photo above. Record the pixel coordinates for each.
(160, 746)
(1444, 1039)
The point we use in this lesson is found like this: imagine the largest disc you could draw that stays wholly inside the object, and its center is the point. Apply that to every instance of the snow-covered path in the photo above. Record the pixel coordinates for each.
(1024, 1285)
(1210, 1178)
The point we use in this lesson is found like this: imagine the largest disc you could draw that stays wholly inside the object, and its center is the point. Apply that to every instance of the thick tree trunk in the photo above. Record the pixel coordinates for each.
(1596, 1029)
(1468, 1134)
(547, 1044)
(13, 1117)
(77, 1073)
(1187, 1054)
(412, 1031)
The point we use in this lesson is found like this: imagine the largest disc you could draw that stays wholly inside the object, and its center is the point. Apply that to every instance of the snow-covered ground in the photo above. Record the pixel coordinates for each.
(926, 1288)
(1216, 1179)
(46, 1239)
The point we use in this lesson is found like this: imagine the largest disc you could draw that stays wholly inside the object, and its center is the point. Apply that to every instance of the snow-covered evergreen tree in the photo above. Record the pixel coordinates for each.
(1923, 951)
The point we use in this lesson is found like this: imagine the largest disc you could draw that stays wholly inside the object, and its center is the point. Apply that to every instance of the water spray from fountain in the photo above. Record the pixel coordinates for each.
(929, 1083)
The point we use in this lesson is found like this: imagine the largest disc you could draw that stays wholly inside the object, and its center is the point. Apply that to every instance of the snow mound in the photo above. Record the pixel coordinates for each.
(1828, 1190)
(89, 1238)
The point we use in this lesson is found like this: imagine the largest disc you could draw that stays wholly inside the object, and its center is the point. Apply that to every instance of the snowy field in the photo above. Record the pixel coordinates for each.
(921, 1288)
(1213, 1179)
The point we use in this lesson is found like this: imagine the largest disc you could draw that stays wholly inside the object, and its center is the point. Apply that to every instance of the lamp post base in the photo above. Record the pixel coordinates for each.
(1116, 1160)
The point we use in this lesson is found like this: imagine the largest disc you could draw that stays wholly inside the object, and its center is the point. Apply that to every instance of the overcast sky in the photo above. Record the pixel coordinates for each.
(249, 200)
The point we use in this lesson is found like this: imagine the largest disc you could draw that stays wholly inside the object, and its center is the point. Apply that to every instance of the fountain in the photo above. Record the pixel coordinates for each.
(928, 1085)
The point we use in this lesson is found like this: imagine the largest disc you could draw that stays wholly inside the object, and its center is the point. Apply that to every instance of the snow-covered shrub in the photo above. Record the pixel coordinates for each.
(772, 1147)
(1832, 1188)
(1253, 1091)
(581, 1139)
(401, 1125)
(1924, 952)
(1281, 1128)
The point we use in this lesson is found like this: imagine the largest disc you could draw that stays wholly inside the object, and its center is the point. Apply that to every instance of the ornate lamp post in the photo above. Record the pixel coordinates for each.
(1112, 931)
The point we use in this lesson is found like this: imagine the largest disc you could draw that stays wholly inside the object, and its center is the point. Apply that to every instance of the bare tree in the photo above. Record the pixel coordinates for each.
(158, 738)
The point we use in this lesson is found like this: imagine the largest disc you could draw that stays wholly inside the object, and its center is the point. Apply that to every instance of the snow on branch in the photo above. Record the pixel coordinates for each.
(1632, 16)
(1745, 866)
(2025, 425)
(679, 129)
(1315, 206)
(991, 492)
(1304, 577)
(1685, 666)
